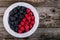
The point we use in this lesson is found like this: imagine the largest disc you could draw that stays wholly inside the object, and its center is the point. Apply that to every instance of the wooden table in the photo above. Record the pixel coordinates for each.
(49, 27)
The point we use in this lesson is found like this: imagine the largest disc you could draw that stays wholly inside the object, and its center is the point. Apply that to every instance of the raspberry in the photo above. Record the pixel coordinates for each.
(27, 28)
(19, 31)
(22, 28)
(32, 22)
(32, 17)
(19, 26)
(22, 23)
(29, 19)
(30, 26)
(26, 15)
(27, 10)
(30, 13)
(24, 19)
(27, 22)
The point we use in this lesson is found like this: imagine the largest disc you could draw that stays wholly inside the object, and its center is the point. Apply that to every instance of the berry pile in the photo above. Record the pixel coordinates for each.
(21, 19)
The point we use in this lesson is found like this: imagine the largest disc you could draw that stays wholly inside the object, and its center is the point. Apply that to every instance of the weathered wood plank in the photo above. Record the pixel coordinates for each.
(24, 0)
(39, 2)
(44, 13)
(37, 34)
(2, 4)
(49, 27)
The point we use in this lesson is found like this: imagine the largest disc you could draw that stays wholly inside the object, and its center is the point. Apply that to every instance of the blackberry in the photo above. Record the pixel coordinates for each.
(23, 8)
(16, 15)
(24, 13)
(12, 27)
(21, 11)
(16, 29)
(17, 22)
(12, 18)
(15, 10)
(21, 16)
(19, 7)
(9, 22)
(12, 23)
(11, 13)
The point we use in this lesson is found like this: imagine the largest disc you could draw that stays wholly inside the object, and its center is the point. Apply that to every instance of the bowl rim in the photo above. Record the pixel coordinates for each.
(6, 24)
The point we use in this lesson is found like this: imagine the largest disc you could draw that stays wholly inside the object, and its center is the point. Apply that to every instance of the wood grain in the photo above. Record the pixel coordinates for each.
(24, 0)
(52, 22)
(42, 30)
(37, 34)
(45, 3)
(49, 13)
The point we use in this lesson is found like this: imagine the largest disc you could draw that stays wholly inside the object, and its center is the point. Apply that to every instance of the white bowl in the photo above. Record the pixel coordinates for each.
(6, 24)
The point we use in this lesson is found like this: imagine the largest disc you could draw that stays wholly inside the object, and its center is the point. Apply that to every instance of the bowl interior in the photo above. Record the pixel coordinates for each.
(6, 24)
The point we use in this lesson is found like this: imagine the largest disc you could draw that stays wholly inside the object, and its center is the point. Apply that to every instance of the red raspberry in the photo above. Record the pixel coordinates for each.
(30, 26)
(22, 23)
(29, 19)
(30, 13)
(26, 15)
(32, 17)
(19, 26)
(27, 10)
(24, 19)
(22, 28)
(32, 22)
(27, 22)
(19, 31)
(27, 28)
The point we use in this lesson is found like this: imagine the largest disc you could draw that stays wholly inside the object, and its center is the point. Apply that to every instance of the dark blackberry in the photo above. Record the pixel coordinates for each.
(16, 29)
(21, 11)
(19, 7)
(9, 22)
(16, 15)
(24, 13)
(15, 10)
(21, 16)
(12, 23)
(11, 13)
(12, 27)
(12, 18)
(23, 8)
(17, 22)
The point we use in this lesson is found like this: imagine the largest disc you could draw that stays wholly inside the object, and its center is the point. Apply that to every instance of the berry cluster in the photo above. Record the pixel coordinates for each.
(21, 19)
